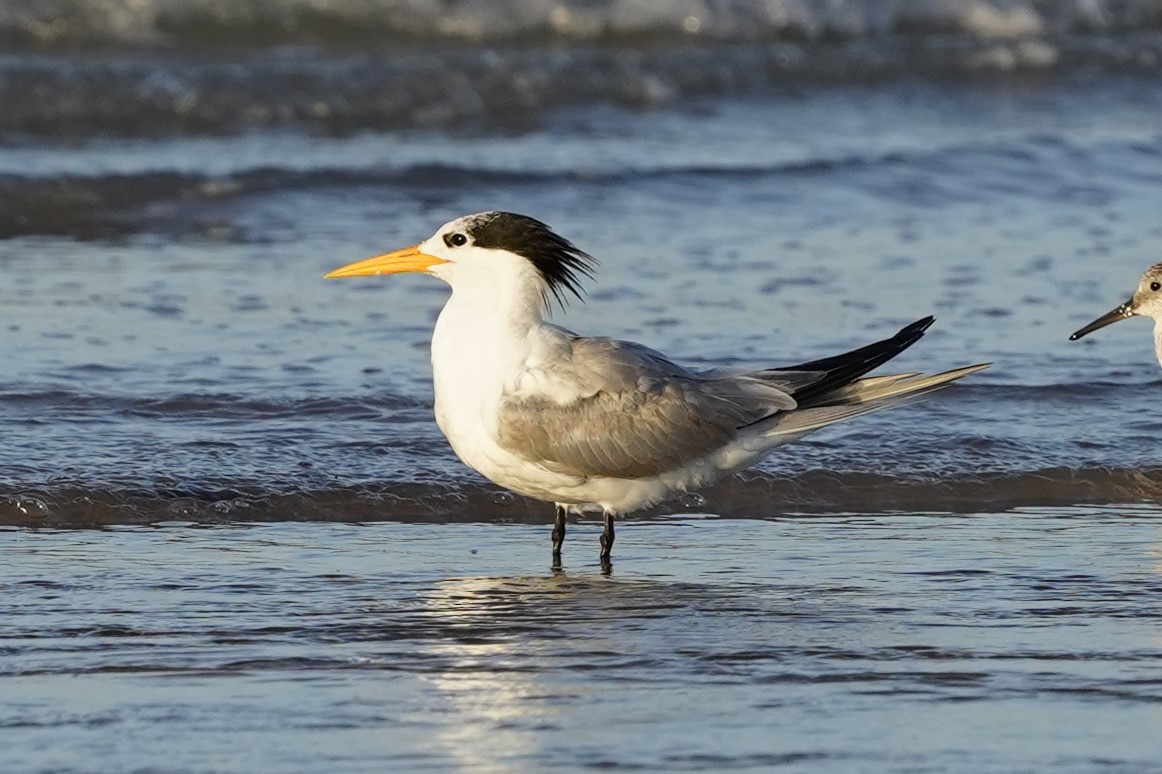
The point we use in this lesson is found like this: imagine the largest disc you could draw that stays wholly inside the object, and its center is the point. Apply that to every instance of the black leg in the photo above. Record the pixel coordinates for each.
(607, 536)
(559, 533)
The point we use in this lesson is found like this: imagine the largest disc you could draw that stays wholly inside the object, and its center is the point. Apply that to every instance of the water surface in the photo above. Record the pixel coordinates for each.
(234, 540)
(1021, 641)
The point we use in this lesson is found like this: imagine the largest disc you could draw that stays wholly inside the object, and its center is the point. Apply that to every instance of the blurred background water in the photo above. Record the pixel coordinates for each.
(763, 181)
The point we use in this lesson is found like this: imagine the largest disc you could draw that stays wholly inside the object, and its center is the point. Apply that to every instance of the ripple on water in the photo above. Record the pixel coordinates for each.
(824, 629)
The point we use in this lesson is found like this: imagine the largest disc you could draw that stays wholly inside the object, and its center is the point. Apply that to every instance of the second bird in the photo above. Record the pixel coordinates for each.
(596, 423)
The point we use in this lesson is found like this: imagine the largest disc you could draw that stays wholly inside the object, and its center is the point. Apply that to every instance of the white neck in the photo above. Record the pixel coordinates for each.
(1158, 339)
(481, 345)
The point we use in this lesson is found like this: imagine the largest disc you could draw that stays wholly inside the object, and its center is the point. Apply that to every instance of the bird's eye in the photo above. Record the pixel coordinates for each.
(1156, 285)
(455, 240)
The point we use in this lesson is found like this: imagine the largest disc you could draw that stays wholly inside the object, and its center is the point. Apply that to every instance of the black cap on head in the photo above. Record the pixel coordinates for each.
(560, 263)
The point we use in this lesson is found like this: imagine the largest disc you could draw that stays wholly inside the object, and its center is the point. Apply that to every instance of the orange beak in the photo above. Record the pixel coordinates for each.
(408, 259)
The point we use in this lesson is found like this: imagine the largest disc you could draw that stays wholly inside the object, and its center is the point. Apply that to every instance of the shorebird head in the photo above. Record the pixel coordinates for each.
(490, 251)
(1146, 302)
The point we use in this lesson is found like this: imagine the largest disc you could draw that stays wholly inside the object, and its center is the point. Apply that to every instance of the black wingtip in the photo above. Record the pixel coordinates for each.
(843, 369)
(921, 325)
(910, 334)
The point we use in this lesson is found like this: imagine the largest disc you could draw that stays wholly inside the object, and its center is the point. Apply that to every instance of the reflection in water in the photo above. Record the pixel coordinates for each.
(491, 644)
(514, 658)
(508, 646)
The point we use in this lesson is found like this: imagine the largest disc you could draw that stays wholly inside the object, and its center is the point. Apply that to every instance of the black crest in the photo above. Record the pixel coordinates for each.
(559, 261)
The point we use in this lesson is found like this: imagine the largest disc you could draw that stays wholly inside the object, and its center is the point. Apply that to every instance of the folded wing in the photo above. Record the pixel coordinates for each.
(618, 409)
(632, 412)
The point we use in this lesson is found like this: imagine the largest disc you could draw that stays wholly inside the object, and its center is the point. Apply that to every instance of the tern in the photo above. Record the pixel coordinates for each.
(1146, 302)
(597, 423)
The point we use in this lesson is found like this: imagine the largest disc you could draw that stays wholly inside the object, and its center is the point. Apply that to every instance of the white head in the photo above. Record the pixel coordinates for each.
(498, 255)
(1146, 302)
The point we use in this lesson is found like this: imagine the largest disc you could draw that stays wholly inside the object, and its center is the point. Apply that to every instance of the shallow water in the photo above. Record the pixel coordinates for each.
(1014, 642)
(234, 539)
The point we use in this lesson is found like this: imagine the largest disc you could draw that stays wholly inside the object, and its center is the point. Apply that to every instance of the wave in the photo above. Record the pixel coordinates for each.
(110, 205)
(1036, 166)
(223, 457)
(262, 22)
(435, 74)
(752, 495)
(216, 405)
(109, 458)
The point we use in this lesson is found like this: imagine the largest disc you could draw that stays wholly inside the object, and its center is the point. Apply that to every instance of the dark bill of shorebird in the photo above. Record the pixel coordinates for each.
(597, 423)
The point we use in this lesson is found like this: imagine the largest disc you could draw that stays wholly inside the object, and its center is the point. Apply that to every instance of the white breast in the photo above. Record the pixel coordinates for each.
(476, 359)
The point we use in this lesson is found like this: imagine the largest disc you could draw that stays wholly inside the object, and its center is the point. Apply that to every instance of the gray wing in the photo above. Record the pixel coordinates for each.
(618, 409)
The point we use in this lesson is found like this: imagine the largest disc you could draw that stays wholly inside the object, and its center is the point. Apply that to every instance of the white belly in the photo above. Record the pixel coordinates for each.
(468, 429)
(468, 432)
